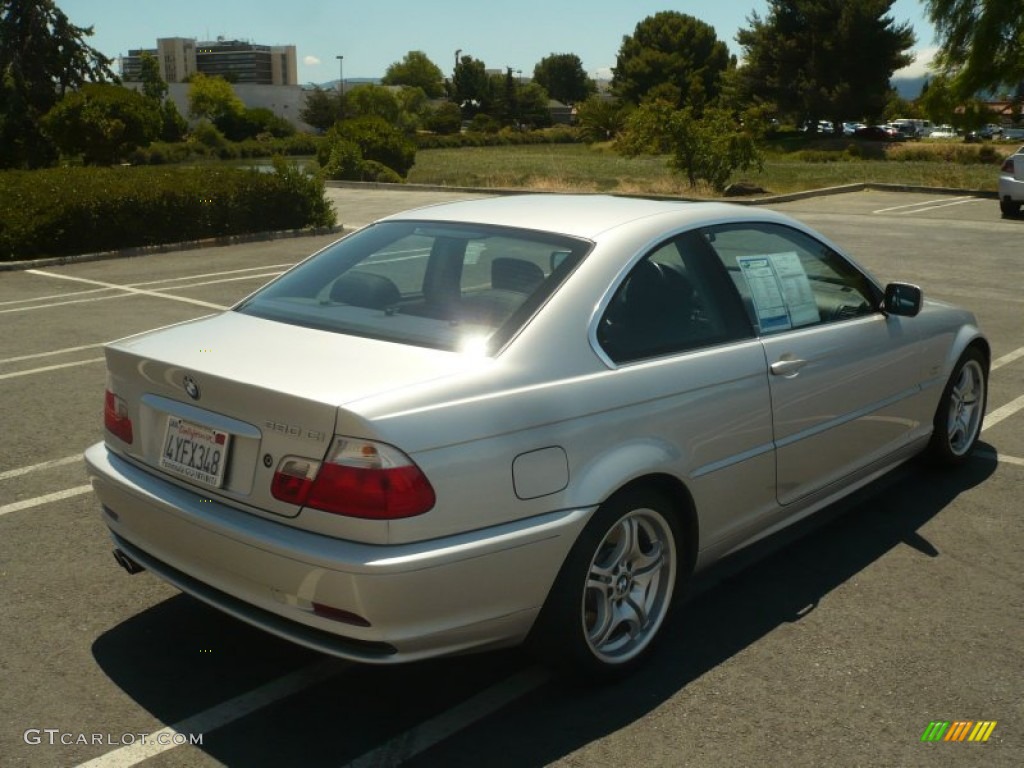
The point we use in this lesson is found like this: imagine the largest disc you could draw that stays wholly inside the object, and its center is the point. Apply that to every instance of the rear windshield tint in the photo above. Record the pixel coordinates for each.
(450, 286)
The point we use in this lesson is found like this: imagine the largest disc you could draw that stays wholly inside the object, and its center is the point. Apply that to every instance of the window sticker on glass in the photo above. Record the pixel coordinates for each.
(780, 291)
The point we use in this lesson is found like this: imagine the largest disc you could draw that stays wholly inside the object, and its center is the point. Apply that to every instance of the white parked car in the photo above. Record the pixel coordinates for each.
(520, 418)
(943, 132)
(1011, 184)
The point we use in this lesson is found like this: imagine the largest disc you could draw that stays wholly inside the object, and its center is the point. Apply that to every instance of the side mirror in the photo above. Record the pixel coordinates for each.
(902, 299)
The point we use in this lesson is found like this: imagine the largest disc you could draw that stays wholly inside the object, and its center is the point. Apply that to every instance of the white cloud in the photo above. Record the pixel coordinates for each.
(310, 61)
(921, 65)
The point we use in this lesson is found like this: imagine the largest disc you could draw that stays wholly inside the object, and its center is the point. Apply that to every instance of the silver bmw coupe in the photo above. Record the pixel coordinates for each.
(525, 418)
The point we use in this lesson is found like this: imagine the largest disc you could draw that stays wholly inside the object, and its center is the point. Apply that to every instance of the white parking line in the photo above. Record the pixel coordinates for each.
(53, 296)
(1001, 458)
(918, 205)
(8, 474)
(1004, 412)
(127, 289)
(936, 207)
(437, 729)
(44, 369)
(65, 351)
(215, 717)
(925, 203)
(209, 274)
(260, 276)
(1017, 354)
(38, 501)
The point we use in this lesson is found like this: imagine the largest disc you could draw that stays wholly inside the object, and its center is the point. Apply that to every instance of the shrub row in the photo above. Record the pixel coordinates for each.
(160, 153)
(63, 211)
(559, 134)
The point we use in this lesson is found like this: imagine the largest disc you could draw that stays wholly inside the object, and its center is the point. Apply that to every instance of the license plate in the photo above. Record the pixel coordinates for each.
(195, 452)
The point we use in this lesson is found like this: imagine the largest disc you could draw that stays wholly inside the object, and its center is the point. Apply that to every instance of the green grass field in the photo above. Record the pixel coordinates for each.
(578, 167)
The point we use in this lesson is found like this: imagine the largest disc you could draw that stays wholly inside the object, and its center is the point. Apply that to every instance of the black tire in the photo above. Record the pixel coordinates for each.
(961, 410)
(615, 590)
(1009, 208)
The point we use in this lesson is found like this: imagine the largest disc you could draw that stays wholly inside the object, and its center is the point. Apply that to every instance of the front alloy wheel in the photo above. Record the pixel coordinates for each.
(961, 409)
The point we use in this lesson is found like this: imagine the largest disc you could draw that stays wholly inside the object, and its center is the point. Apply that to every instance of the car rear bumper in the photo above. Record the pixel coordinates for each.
(471, 591)
(1011, 189)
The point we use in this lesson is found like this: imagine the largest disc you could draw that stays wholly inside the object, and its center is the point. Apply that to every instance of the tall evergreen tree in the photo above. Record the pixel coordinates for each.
(981, 43)
(563, 77)
(672, 57)
(823, 58)
(42, 56)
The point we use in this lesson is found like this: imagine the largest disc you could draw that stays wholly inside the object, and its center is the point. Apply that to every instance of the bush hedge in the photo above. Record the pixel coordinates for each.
(559, 134)
(64, 211)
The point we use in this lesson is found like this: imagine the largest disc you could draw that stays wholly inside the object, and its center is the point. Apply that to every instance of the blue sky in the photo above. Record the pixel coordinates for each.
(374, 33)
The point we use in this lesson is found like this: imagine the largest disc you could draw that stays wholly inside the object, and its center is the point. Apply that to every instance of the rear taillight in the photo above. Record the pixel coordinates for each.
(359, 478)
(293, 479)
(1008, 165)
(115, 417)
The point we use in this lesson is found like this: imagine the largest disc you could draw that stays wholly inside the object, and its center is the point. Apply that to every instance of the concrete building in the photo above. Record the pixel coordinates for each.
(237, 61)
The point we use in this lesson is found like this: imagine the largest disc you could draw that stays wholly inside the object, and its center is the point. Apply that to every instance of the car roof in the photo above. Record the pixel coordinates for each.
(584, 216)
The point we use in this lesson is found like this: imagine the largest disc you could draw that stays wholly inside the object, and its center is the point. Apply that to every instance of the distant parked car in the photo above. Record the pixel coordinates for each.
(1011, 184)
(990, 131)
(1015, 134)
(943, 132)
(877, 133)
(849, 129)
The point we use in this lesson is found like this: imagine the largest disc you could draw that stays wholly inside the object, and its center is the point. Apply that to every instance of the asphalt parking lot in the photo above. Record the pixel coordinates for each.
(837, 647)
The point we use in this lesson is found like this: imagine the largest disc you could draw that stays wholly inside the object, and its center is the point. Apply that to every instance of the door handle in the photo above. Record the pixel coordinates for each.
(787, 368)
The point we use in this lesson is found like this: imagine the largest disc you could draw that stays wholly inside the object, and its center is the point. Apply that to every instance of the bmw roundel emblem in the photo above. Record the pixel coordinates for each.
(191, 388)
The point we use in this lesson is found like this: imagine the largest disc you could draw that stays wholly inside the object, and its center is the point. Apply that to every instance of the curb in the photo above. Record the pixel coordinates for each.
(185, 245)
(768, 199)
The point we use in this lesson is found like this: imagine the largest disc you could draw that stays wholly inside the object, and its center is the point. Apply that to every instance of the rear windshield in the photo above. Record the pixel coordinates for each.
(449, 286)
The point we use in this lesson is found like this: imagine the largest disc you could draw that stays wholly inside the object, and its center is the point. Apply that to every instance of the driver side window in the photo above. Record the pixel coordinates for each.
(788, 279)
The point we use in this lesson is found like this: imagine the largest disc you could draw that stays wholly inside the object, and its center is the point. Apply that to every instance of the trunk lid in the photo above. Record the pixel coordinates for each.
(250, 392)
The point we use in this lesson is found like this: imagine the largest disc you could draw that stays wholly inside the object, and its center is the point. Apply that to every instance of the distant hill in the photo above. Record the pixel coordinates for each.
(909, 88)
(350, 82)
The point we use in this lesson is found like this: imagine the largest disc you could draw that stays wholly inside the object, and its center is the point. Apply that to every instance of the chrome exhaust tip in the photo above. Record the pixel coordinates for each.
(127, 563)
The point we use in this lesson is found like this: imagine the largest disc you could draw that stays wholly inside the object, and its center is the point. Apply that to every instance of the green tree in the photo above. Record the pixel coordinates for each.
(212, 97)
(153, 84)
(252, 122)
(103, 123)
(173, 126)
(445, 118)
(401, 107)
(707, 148)
(471, 86)
(377, 140)
(823, 59)
(532, 101)
(670, 56)
(322, 108)
(563, 77)
(601, 119)
(981, 43)
(42, 56)
(418, 71)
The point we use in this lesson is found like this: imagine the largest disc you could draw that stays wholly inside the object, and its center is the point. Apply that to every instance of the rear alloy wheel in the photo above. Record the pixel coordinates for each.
(961, 409)
(1009, 208)
(615, 589)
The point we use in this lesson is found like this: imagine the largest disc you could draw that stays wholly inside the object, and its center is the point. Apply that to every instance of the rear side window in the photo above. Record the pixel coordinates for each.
(449, 286)
(678, 298)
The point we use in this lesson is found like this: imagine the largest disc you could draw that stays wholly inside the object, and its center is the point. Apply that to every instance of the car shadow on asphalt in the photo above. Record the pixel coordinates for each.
(180, 657)
(735, 604)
